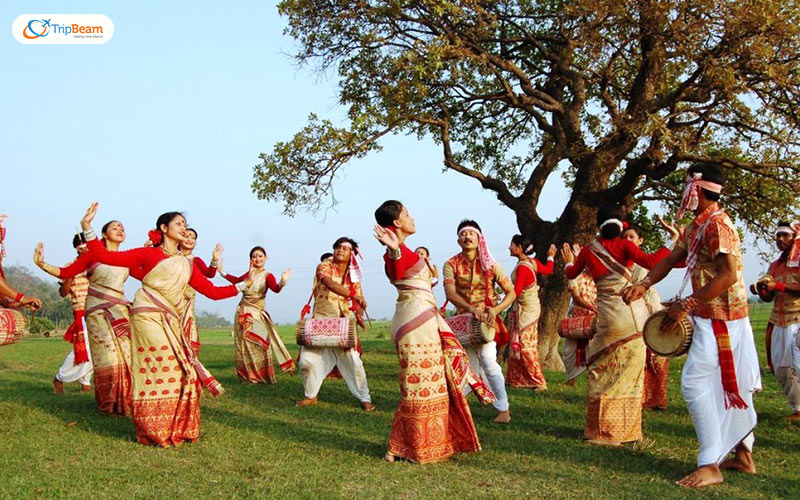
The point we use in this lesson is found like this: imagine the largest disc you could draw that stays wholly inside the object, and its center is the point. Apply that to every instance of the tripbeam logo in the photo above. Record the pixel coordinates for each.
(39, 29)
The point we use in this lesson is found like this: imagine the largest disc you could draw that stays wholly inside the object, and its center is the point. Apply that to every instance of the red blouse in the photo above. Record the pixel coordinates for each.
(85, 261)
(146, 258)
(525, 277)
(622, 250)
(208, 272)
(396, 269)
(272, 283)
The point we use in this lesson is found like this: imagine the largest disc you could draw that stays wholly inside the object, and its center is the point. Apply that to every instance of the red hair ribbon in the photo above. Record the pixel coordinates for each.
(625, 225)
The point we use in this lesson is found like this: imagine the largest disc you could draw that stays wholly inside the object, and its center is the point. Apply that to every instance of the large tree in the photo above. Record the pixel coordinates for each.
(614, 95)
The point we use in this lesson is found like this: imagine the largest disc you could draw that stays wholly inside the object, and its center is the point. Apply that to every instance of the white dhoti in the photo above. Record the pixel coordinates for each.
(317, 362)
(70, 372)
(785, 357)
(720, 430)
(483, 360)
(570, 357)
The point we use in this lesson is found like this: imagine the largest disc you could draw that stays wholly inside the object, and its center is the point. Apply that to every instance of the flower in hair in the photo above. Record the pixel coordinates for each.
(155, 236)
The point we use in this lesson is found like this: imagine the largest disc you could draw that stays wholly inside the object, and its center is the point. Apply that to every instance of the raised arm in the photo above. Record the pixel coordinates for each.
(545, 269)
(646, 260)
(205, 287)
(235, 279)
(273, 284)
(208, 272)
(574, 266)
(76, 267)
(134, 258)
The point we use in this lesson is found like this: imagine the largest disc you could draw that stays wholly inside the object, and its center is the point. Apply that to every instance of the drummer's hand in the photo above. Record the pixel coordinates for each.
(479, 314)
(491, 314)
(31, 302)
(769, 286)
(361, 301)
(675, 313)
(634, 292)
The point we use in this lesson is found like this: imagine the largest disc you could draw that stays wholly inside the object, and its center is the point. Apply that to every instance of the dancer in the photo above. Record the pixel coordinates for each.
(337, 283)
(107, 320)
(9, 297)
(656, 368)
(166, 373)
(782, 286)
(721, 371)
(77, 365)
(584, 303)
(524, 369)
(255, 337)
(433, 420)
(469, 283)
(426, 255)
(209, 271)
(616, 352)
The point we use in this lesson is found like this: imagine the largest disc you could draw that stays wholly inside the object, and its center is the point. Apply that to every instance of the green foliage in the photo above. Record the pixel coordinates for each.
(207, 319)
(55, 309)
(617, 95)
(41, 325)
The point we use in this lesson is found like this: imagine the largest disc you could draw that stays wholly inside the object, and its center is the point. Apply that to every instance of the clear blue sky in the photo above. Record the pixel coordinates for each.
(172, 113)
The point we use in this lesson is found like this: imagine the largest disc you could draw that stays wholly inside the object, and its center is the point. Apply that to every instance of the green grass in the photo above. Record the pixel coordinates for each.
(256, 444)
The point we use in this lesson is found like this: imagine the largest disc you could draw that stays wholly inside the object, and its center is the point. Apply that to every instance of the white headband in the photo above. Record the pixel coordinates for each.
(469, 228)
(616, 222)
(783, 230)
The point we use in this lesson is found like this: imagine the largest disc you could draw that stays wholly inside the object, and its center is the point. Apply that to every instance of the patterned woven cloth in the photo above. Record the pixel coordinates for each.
(326, 332)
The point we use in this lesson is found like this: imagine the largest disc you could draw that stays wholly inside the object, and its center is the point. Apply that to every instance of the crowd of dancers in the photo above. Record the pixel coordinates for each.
(145, 354)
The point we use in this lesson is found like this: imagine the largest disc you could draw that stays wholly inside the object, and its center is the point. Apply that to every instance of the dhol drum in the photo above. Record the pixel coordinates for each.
(578, 328)
(672, 342)
(12, 326)
(327, 332)
(469, 331)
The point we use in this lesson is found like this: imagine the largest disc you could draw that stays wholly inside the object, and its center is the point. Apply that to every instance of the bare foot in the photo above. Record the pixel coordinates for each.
(86, 388)
(58, 386)
(367, 406)
(503, 417)
(389, 457)
(603, 442)
(741, 461)
(306, 402)
(706, 475)
(570, 382)
(540, 388)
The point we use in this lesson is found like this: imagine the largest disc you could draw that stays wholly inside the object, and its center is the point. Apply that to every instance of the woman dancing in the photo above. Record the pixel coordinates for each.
(524, 369)
(209, 271)
(254, 332)
(107, 319)
(616, 352)
(166, 373)
(433, 420)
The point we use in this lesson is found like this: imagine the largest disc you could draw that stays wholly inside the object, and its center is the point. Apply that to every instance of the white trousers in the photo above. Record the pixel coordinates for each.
(316, 362)
(483, 360)
(785, 355)
(70, 372)
(569, 356)
(720, 430)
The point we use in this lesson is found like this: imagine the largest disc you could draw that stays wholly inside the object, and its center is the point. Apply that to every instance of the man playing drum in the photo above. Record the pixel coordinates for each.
(782, 285)
(337, 283)
(721, 371)
(469, 284)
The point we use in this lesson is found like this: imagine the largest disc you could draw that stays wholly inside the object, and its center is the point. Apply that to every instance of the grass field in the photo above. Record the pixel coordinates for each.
(256, 444)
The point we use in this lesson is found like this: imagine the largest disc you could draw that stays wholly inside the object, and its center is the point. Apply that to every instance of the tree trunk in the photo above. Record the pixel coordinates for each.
(576, 225)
